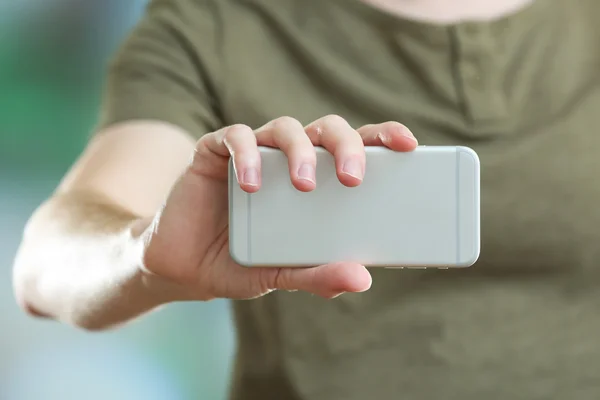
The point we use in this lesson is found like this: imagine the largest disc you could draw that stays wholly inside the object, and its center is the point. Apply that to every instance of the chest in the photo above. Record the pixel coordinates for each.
(533, 122)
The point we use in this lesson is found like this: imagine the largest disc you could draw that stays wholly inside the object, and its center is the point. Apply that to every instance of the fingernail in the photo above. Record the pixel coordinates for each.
(307, 172)
(333, 295)
(353, 168)
(250, 177)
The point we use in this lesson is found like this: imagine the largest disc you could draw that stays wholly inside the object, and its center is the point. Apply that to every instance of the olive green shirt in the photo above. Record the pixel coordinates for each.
(522, 90)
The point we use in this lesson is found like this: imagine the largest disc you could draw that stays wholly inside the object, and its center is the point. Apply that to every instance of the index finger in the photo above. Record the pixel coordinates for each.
(239, 143)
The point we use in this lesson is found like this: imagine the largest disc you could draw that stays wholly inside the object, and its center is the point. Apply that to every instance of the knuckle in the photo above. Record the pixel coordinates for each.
(286, 123)
(281, 279)
(334, 120)
(198, 156)
(236, 131)
(395, 127)
(201, 144)
(269, 279)
(366, 129)
(290, 134)
(310, 157)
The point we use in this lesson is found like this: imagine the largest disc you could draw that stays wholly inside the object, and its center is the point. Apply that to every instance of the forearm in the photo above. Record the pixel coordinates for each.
(80, 262)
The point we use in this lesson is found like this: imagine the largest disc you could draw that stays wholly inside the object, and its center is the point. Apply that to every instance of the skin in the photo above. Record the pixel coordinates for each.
(106, 234)
(107, 247)
(450, 11)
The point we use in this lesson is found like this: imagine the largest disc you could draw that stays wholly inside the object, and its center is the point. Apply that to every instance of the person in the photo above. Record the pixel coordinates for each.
(140, 221)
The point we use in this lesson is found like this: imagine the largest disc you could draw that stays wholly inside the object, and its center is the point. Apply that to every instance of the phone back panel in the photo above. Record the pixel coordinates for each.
(417, 209)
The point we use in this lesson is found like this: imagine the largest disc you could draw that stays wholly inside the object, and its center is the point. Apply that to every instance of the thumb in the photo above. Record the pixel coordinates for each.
(327, 281)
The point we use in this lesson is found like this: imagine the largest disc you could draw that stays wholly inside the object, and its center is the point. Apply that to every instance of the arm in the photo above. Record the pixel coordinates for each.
(81, 258)
(94, 256)
(138, 222)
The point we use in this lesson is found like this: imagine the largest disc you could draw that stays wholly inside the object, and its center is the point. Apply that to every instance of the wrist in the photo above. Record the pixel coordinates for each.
(157, 289)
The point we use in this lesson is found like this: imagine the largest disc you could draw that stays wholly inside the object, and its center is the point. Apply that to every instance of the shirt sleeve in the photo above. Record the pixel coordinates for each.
(166, 69)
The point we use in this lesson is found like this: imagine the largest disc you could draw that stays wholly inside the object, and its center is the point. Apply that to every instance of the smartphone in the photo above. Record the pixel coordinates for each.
(416, 210)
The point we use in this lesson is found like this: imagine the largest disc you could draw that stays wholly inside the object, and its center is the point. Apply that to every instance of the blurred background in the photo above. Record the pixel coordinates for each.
(53, 55)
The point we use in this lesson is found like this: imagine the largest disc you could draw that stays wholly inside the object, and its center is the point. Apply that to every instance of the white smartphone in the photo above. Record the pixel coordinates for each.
(416, 210)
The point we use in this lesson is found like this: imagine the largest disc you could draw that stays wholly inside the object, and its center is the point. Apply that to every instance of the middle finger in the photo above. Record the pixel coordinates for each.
(288, 134)
(340, 139)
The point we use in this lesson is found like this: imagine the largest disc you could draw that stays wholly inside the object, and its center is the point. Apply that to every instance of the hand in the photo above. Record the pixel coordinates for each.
(187, 242)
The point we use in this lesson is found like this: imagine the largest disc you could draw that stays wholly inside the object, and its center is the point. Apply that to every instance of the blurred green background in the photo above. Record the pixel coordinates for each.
(53, 54)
